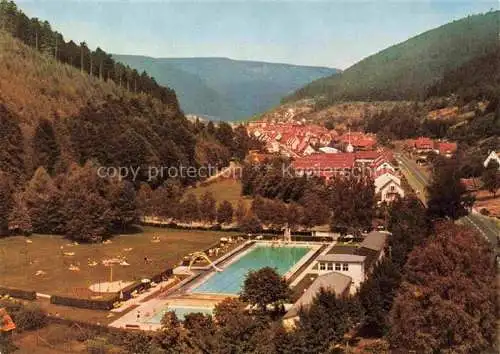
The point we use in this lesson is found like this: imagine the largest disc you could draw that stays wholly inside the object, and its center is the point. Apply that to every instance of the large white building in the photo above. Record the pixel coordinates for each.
(357, 263)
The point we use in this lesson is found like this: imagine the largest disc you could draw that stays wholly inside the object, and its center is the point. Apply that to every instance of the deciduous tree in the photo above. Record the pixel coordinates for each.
(225, 213)
(265, 287)
(208, 207)
(448, 301)
(448, 197)
(491, 178)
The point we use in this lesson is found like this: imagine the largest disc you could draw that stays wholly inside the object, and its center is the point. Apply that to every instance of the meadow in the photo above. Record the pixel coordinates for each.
(223, 189)
(51, 256)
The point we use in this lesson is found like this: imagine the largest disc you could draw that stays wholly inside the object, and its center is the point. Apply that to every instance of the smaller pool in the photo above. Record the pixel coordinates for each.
(180, 311)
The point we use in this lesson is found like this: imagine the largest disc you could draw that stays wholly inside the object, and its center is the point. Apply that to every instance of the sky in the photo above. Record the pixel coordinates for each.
(328, 33)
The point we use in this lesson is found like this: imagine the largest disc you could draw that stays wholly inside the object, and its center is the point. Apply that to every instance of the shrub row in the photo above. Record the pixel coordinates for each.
(18, 293)
(107, 303)
(93, 304)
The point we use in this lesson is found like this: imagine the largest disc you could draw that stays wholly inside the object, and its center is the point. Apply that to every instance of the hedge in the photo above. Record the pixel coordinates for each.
(92, 304)
(18, 293)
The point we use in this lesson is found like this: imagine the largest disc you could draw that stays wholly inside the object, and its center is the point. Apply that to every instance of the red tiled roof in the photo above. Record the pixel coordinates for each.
(367, 155)
(325, 161)
(423, 143)
(446, 147)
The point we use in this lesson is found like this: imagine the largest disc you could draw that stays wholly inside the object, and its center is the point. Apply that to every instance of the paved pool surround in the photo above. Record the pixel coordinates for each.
(198, 295)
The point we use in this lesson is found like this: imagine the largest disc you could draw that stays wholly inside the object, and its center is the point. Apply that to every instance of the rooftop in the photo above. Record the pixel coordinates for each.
(341, 258)
(335, 282)
(325, 161)
(375, 240)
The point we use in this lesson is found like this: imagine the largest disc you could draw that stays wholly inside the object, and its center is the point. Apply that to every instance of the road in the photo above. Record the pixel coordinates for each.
(419, 181)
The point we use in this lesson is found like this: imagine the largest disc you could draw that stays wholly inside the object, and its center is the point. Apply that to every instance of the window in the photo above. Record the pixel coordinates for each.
(393, 188)
(337, 266)
(345, 266)
(322, 266)
(330, 266)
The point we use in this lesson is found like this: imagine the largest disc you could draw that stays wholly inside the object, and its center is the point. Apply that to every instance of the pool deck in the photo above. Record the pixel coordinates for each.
(181, 294)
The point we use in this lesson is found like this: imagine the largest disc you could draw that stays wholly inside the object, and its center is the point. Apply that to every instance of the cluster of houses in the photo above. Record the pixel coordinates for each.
(378, 164)
(424, 146)
(296, 140)
(341, 269)
(291, 139)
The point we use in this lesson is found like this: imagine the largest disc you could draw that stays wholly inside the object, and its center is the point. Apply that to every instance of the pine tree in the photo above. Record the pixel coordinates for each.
(46, 150)
(12, 142)
(122, 198)
(87, 214)
(43, 202)
(5, 202)
(19, 218)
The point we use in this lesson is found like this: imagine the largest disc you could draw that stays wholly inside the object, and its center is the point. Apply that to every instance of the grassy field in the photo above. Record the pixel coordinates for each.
(224, 189)
(20, 260)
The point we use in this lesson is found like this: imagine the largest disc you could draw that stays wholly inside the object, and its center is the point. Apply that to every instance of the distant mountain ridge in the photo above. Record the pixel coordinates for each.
(406, 71)
(223, 88)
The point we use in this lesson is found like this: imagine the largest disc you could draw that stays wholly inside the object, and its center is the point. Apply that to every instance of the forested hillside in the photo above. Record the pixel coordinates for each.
(97, 63)
(60, 124)
(478, 79)
(407, 70)
(226, 89)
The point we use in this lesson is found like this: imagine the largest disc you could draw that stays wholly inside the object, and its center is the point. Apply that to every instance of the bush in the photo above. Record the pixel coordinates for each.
(98, 345)
(6, 345)
(30, 317)
(25, 316)
(484, 211)
(17, 293)
(102, 304)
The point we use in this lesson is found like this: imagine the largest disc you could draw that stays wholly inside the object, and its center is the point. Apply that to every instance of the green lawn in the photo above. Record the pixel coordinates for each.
(225, 189)
(20, 260)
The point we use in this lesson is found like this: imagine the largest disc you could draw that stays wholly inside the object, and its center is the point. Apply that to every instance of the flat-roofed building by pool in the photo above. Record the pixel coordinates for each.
(351, 265)
(357, 262)
(335, 282)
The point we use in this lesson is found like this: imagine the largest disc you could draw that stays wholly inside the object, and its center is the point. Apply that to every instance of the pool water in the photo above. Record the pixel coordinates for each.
(180, 311)
(231, 279)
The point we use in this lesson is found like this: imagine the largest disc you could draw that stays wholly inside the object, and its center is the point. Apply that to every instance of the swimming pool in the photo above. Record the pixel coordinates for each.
(230, 280)
(180, 311)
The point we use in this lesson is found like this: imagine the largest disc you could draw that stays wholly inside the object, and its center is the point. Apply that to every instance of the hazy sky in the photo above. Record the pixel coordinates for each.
(327, 33)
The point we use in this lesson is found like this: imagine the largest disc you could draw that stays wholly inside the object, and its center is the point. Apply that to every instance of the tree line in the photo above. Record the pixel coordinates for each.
(129, 133)
(433, 292)
(97, 63)
(347, 203)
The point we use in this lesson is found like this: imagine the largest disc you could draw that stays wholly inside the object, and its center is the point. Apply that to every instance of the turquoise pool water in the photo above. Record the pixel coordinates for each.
(180, 311)
(230, 280)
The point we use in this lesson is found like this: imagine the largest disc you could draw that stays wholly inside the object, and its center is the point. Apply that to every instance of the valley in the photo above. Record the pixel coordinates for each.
(173, 200)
